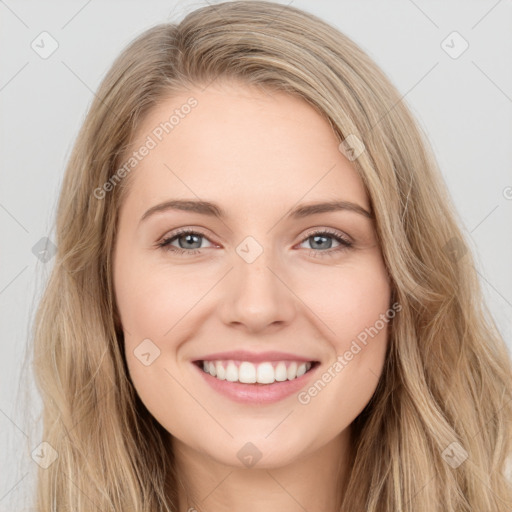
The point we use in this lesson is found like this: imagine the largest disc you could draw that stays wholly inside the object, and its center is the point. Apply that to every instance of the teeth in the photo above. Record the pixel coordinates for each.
(231, 372)
(265, 373)
(221, 371)
(280, 372)
(249, 373)
(301, 370)
(292, 371)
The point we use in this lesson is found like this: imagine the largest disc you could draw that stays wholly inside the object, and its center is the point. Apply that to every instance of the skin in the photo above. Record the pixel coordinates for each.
(257, 155)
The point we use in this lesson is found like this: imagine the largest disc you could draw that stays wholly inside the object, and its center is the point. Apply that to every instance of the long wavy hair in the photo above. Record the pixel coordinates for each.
(445, 392)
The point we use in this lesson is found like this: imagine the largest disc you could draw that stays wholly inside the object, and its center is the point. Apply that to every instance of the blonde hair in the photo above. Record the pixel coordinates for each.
(446, 387)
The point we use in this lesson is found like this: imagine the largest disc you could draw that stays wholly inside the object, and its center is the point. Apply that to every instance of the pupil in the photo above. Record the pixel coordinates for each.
(318, 237)
(189, 239)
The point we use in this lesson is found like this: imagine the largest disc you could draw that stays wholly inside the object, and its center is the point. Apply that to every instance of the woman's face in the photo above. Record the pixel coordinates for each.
(263, 280)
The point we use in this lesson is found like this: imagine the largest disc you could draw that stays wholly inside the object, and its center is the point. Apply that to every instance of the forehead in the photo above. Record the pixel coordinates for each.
(237, 143)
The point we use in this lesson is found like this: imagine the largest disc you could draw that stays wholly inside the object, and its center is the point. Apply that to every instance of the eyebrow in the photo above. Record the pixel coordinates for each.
(213, 210)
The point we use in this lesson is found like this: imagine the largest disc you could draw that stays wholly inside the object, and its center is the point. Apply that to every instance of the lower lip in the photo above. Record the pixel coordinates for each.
(257, 393)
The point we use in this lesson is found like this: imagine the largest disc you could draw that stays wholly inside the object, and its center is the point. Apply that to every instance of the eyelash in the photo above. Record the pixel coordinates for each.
(344, 243)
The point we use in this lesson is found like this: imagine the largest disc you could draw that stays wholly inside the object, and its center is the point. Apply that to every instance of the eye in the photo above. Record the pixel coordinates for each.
(321, 240)
(188, 242)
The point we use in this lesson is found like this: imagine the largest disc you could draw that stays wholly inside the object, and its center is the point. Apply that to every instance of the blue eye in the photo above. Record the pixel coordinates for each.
(190, 237)
(318, 238)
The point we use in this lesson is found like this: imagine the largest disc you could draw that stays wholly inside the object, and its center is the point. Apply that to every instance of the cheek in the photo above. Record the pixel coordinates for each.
(151, 302)
(354, 303)
(153, 298)
(348, 298)
(156, 302)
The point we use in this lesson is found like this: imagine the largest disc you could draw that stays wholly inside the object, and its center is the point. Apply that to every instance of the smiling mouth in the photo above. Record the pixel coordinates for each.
(245, 372)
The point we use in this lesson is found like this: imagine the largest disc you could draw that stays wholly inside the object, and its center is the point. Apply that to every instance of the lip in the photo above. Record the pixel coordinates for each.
(254, 394)
(253, 357)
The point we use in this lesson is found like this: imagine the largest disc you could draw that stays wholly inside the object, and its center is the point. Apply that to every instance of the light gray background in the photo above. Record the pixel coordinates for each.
(464, 105)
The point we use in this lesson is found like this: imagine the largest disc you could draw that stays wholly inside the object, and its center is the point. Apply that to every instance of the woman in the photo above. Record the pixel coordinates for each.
(253, 370)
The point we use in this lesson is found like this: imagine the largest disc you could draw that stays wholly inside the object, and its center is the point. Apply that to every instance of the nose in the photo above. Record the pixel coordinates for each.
(256, 296)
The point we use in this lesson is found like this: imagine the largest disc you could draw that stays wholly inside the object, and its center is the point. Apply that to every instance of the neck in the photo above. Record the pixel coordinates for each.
(312, 482)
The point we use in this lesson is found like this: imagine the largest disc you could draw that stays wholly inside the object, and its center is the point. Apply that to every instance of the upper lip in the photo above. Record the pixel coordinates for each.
(259, 357)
